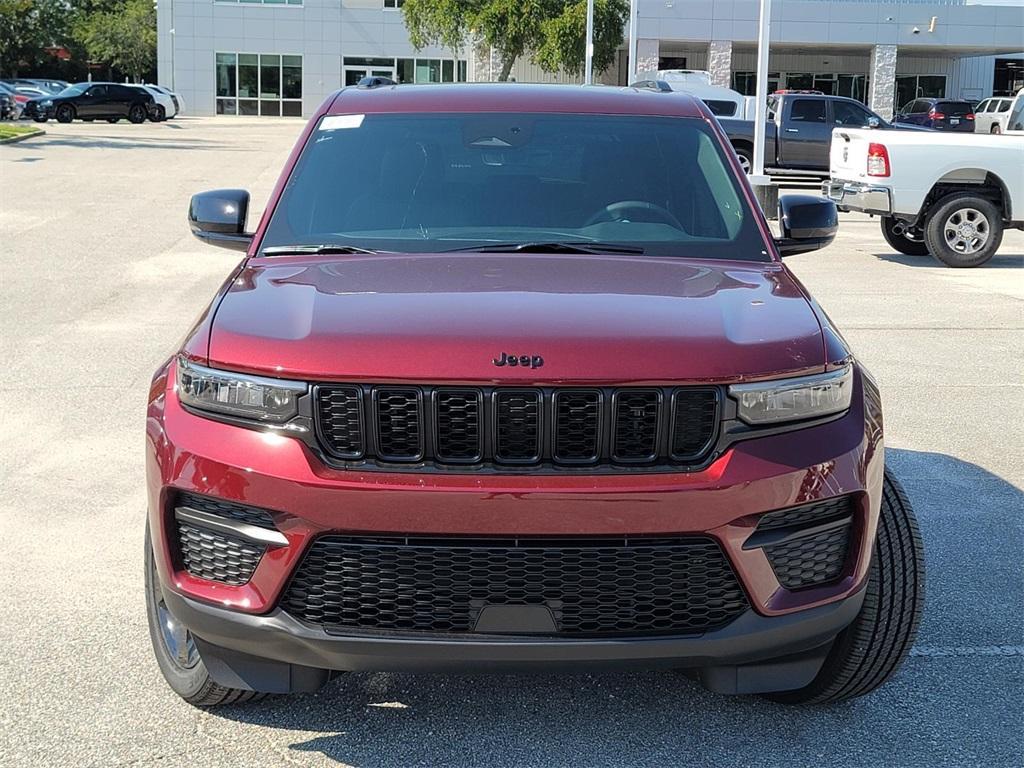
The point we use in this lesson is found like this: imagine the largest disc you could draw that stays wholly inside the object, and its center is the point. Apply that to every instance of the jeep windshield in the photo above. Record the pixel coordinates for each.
(429, 183)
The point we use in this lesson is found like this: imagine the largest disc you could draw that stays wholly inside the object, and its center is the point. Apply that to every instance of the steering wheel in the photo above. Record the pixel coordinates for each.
(617, 211)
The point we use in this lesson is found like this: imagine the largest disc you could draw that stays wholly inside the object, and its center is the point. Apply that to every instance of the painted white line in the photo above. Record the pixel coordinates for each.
(939, 651)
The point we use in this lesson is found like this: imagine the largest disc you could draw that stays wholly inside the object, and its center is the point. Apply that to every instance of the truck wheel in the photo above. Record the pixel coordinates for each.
(902, 241)
(176, 652)
(963, 230)
(871, 649)
(746, 158)
(996, 128)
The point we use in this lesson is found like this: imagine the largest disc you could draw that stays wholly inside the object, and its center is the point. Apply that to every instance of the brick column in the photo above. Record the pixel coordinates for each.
(720, 62)
(882, 75)
(646, 55)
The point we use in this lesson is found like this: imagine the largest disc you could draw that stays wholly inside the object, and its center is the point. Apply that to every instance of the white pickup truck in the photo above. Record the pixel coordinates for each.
(950, 195)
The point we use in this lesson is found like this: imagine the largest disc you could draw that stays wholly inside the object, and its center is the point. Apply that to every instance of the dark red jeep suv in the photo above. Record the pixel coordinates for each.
(513, 377)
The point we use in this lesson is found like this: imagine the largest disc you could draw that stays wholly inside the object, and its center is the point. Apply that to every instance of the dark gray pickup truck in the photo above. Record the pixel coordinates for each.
(799, 131)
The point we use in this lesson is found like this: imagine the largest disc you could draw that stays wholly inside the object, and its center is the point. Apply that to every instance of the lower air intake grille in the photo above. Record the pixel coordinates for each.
(590, 587)
(217, 557)
(810, 560)
(214, 555)
(806, 546)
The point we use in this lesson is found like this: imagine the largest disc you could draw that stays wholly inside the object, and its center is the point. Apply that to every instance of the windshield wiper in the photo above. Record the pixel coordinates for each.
(582, 246)
(300, 250)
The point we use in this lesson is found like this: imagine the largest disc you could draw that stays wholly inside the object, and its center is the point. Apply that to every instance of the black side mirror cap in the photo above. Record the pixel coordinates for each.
(218, 218)
(808, 222)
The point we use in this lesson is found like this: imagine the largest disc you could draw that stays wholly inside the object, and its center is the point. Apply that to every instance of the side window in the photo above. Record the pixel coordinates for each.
(1004, 105)
(807, 111)
(983, 107)
(98, 92)
(907, 108)
(849, 114)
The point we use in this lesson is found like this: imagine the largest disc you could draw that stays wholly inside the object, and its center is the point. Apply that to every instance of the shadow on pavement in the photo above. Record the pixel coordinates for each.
(938, 711)
(999, 261)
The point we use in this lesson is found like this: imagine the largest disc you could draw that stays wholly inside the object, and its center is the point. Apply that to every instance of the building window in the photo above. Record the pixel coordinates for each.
(409, 70)
(262, 2)
(259, 84)
(394, 4)
(852, 86)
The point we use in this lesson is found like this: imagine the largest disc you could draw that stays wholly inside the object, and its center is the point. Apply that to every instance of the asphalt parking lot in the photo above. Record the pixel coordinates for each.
(99, 279)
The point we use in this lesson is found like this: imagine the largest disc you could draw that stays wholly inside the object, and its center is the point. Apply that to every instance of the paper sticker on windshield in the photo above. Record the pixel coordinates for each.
(337, 122)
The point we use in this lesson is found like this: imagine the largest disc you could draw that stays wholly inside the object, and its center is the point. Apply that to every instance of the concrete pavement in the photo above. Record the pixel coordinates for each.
(99, 278)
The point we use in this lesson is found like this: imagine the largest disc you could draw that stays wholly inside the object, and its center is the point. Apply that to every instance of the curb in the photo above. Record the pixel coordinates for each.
(22, 137)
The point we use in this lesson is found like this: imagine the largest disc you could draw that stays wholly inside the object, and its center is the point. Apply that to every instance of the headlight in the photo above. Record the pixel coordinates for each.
(46, 103)
(808, 397)
(237, 394)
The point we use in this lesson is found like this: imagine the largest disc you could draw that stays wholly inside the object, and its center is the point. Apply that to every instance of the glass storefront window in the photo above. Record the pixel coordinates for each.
(406, 70)
(248, 75)
(270, 76)
(227, 73)
(259, 84)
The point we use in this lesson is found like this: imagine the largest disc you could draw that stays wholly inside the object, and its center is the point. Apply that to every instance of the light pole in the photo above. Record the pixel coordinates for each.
(588, 76)
(766, 194)
(632, 41)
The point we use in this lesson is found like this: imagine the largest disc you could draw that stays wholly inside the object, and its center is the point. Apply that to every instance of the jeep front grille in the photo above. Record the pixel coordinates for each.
(597, 586)
(508, 427)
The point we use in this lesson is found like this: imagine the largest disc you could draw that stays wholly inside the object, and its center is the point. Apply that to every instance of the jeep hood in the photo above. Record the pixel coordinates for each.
(447, 317)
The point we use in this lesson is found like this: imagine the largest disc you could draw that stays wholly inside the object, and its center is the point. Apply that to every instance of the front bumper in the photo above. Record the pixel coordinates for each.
(857, 196)
(243, 628)
(277, 654)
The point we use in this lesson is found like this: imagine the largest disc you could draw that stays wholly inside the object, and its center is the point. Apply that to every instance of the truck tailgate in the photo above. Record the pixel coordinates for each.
(848, 158)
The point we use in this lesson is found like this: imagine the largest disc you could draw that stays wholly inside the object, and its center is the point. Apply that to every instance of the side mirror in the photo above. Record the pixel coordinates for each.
(218, 218)
(808, 222)
(874, 122)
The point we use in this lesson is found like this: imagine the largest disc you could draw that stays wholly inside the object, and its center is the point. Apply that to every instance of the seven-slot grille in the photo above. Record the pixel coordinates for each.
(602, 586)
(578, 427)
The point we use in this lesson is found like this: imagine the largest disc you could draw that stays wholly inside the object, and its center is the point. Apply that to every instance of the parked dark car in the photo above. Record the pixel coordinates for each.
(799, 131)
(44, 84)
(532, 390)
(8, 106)
(937, 114)
(96, 101)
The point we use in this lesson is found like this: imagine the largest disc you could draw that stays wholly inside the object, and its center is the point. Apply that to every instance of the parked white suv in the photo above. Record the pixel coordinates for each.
(950, 195)
(992, 114)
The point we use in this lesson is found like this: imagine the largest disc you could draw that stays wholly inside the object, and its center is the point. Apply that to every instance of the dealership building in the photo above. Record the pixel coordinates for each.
(283, 57)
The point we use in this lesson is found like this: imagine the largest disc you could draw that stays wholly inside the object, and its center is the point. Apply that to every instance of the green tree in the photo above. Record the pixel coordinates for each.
(122, 35)
(552, 31)
(27, 29)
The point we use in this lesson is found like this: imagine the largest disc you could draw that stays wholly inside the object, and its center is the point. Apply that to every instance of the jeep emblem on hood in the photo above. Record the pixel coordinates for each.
(526, 361)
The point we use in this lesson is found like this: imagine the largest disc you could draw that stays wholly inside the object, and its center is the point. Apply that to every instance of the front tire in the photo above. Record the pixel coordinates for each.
(176, 653)
(159, 115)
(137, 114)
(900, 241)
(872, 648)
(65, 113)
(996, 129)
(963, 230)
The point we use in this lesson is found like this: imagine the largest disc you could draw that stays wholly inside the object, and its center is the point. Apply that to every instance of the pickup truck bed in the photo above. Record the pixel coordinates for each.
(799, 131)
(944, 194)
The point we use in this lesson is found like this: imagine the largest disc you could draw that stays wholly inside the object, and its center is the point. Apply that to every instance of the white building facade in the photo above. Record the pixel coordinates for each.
(283, 57)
